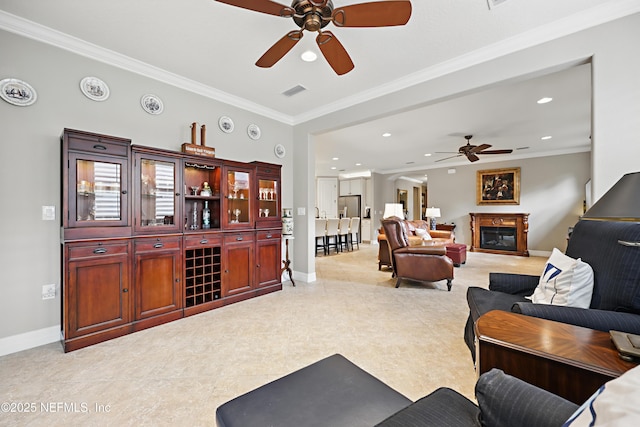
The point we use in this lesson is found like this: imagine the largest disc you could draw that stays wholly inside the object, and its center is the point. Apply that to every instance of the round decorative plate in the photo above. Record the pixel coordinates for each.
(226, 124)
(279, 150)
(254, 132)
(152, 104)
(17, 92)
(94, 88)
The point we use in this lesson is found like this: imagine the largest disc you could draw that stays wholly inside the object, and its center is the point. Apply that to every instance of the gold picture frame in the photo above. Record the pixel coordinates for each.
(498, 187)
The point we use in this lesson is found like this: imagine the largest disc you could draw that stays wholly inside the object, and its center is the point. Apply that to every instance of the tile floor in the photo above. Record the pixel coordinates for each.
(180, 372)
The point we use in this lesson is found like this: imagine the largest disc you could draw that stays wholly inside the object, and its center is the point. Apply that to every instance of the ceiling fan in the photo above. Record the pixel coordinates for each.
(314, 15)
(472, 151)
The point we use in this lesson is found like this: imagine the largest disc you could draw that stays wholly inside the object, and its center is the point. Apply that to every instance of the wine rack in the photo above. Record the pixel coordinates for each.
(202, 276)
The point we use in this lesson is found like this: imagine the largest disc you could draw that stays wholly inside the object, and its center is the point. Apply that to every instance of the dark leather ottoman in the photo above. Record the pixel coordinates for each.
(457, 252)
(331, 392)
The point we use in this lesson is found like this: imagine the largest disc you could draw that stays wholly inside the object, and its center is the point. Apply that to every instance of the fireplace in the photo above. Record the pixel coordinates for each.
(499, 238)
(500, 233)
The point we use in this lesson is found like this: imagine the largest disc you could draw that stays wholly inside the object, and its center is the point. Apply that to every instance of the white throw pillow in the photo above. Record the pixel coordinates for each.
(617, 403)
(422, 233)
(564, 281)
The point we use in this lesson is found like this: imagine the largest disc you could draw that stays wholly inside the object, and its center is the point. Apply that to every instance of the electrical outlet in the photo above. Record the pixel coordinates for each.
(48, 213)
(48, 291)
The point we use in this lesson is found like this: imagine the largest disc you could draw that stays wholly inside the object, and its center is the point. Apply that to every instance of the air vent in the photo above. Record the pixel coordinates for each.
(294, 90)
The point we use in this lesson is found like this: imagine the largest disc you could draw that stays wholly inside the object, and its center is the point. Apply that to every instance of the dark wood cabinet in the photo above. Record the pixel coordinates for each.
(158, 272)
(152, 235)
(268, 254)
(96, 296)
(238, 262)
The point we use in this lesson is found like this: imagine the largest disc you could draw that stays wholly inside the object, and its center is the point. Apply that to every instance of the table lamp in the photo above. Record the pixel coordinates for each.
(432, 214)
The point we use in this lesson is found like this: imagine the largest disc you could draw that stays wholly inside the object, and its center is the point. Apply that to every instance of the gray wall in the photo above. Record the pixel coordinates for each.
(551, 191)
(615, 108)
(30, 158)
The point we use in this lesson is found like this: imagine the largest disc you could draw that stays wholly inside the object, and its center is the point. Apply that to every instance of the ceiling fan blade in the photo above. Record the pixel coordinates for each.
(472, 157)
(447, 158)
(374, 14)
(264, 6)
(334, 53)
(279, 49)
(496, 152)
(479, 148)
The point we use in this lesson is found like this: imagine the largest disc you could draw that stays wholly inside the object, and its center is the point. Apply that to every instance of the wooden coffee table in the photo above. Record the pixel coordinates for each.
(569, 361)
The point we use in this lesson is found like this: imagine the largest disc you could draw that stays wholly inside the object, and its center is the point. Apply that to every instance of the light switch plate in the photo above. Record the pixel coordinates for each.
(301, 211)
(48, 213)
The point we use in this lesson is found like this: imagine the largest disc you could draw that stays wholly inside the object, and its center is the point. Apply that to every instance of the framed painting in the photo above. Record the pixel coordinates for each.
(498, 187)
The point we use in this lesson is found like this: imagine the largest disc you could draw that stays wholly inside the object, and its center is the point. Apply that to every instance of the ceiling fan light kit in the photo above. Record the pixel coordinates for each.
(313, 16)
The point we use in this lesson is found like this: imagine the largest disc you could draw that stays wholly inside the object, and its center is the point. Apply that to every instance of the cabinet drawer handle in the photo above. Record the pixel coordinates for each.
(204, 241)
(99, 251)
(226, 271)
(158, 245)
(239, 239)
(269, 236)
(99, 147)
(125, 290)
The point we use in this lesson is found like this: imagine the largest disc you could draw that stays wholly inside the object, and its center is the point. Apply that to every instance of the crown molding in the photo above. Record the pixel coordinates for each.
(35, 31)
(601, 14)
(605, 12)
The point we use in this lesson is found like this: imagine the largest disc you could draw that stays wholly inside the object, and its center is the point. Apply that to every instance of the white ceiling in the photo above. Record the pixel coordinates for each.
(210, 47)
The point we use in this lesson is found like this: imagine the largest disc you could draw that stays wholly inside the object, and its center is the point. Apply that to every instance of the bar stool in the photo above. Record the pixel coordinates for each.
(321, 236)
(354, 231)
(343, 233)
(332, 234)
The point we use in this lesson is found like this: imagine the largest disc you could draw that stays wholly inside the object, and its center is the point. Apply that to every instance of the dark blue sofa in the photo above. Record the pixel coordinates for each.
(615, 305)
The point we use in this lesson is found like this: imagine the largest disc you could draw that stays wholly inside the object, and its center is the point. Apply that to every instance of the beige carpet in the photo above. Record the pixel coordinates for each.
(179, 373)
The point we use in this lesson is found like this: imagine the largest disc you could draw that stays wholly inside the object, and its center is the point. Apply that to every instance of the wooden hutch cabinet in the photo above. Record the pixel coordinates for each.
(152, 235)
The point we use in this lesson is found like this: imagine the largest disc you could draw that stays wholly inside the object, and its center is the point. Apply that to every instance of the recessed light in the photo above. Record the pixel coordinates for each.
(544, 138)
(333, 168)
(336, 158)
(386, 134)
(428, 155)
(358, 164)
(544, 100)
(308, 56)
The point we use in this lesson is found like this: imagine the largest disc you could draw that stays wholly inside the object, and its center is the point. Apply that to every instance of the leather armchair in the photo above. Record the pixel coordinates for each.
(438, 237)
(427, 263)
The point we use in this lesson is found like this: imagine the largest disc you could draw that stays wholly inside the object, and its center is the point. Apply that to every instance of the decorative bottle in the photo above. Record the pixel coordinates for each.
(206, 216)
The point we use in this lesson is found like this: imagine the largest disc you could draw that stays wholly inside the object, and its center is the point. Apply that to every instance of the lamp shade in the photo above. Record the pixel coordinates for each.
(432, 213)
(393, 209)
(620, 203)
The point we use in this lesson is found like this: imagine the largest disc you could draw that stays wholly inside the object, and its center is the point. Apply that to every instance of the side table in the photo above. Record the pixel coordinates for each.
(567, 360)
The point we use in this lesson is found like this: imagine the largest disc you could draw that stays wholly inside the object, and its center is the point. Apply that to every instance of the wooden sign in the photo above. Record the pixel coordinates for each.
(198, 150)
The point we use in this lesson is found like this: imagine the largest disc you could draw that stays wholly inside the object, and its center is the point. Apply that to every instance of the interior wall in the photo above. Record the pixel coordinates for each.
(616, 89)
(552, 191)
(30, 159)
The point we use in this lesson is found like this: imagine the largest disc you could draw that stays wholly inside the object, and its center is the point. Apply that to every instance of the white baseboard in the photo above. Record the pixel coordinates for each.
(299, 276)
(16, 343)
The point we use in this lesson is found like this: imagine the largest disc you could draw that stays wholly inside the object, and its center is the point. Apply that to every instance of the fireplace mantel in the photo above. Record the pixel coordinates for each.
(500, 233)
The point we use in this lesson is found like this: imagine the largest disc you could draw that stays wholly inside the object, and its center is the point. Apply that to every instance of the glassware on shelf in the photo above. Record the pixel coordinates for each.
(194, 216)
(260, 212)
(271, 194)
(194, 190)
(266, 212)
(237, 213)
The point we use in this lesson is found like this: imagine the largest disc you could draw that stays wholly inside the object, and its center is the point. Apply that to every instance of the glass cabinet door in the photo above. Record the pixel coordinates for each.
(97, 192)
(239, 203)
(268, 199)
(156, 198)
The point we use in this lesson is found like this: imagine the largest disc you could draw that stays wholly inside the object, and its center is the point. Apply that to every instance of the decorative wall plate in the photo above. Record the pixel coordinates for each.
(152, 104)
(225, 124)
(94, 88)
(17, 92)
(279, 150)
(254, 132)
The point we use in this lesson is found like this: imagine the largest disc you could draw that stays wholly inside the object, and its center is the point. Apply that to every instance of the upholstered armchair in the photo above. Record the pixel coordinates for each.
(610, 249)
(427, 263)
